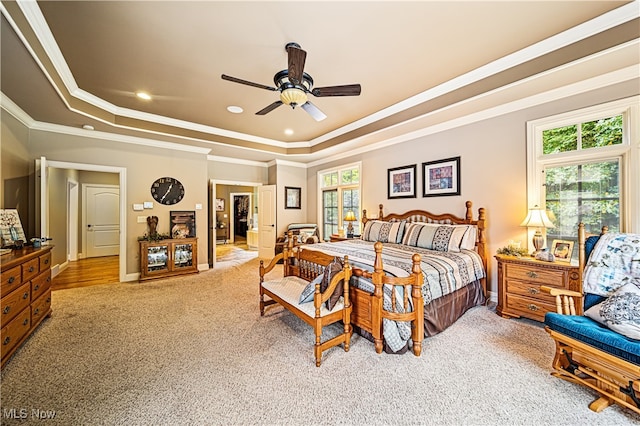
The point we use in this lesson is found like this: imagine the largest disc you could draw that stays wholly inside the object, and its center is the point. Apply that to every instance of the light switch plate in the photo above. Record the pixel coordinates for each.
(148, 204)
(142, 219)
(137, 207)
(198, 206)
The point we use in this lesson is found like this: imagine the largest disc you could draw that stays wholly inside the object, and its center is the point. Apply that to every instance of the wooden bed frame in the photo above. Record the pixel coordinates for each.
(367, 313)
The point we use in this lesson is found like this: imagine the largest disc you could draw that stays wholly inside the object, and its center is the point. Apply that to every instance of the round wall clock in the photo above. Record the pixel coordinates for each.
(167, 190)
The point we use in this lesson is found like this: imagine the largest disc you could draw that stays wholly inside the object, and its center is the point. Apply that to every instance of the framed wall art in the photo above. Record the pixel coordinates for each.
(183, 224)
(562, 250)
(292, 197)
(401, 182)
(441, 177)
(219, 204)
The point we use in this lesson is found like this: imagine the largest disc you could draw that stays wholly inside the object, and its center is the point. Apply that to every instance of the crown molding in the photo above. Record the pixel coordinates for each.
(230, 160)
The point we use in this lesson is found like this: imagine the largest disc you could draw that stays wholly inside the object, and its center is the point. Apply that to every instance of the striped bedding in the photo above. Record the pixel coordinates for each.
(444, 272)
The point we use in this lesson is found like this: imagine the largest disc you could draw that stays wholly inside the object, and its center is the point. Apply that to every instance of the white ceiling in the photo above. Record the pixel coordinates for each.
(421, 64)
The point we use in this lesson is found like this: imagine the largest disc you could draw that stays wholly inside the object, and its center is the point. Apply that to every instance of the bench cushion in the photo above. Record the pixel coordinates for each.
(591, 333)
(290, 288)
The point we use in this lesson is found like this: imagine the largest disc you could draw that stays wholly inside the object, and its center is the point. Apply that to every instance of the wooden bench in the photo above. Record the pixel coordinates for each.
(300, 267)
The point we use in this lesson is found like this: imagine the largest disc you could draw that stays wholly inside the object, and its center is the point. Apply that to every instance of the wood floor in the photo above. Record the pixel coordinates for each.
(87, 272)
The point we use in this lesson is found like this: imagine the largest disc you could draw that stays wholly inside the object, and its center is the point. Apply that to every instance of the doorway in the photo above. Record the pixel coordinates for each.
(241, 222)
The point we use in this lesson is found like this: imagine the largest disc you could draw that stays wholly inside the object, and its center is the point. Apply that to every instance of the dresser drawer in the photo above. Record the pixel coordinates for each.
(14, 331)
(44, 261)
(40, 308)
(30, 269)
(40, 284)
(529, 307)
(11, 279)
(15, 302)
(535, 274)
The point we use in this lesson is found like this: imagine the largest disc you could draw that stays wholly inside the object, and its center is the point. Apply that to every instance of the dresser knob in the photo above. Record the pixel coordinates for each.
(11, 280)
(532, 307)
(25, 295)
(25, 322)
(46, 261)
(36, 312)
(6, 310)
(532, 274)
(6, 340)
(36, 288)
(31, 269)
(533, 290)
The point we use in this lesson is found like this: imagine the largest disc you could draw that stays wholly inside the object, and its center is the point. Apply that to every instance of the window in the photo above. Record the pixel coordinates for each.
(578, 165)
(339, 192)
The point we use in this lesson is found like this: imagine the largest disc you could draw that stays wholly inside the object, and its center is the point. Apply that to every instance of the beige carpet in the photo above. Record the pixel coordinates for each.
(194, 350)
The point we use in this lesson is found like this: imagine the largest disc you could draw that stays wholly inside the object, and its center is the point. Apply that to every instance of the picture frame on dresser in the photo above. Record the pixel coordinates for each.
(562, 250)
(441, 177)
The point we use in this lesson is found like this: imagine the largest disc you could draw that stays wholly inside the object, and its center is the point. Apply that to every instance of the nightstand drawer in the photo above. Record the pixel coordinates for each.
(529, 289)
(535, 274)
(529, 307)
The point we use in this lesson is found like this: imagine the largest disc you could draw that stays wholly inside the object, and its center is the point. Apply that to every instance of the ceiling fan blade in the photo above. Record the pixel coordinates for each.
(345, 90)
(297, 58)
(269, 108)
(248, 83)
(313, 111)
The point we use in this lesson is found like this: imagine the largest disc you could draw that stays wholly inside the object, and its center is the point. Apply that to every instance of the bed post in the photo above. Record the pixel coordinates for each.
(376, 301)
(482, 245)
(417, 333)
(380, 211)
(469, 213)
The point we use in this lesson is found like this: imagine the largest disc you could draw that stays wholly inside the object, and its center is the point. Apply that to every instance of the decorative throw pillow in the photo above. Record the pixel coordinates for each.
(309, 290)
(329, 272)
(614, 258)
(435, 236)
(385, 232)
(620, 311)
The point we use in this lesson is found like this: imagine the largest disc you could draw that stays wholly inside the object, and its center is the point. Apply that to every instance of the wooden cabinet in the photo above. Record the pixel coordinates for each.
(165, 258)
(519, 282)
(25, 289)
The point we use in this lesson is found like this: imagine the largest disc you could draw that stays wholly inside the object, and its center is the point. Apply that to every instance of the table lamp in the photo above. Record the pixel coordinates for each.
(350, 217)
(537, 218)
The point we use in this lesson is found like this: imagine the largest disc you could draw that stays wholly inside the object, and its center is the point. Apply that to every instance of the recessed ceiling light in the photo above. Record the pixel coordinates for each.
(143, 95)
(87, 127)
(235, 109)
(288, 132)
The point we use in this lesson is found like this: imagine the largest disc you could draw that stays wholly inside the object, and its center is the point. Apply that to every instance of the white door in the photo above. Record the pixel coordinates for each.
(42, 196)
(266, 221)
(102, 220)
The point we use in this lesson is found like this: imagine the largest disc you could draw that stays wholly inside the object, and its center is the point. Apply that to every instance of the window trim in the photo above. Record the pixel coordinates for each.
(628, 153)
(339, 187)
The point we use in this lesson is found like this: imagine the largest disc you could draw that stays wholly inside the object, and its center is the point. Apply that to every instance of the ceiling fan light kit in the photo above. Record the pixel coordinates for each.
(295, 85)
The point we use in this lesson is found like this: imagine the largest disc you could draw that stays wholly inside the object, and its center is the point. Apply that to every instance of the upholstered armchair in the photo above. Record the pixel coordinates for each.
(303, 233)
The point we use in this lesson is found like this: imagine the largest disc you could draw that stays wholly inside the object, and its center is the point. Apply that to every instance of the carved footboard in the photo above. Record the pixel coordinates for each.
(368, 312)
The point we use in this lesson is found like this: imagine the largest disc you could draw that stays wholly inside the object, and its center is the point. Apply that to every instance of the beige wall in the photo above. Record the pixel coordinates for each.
(143, 166)
(493, 166)
(292, 176)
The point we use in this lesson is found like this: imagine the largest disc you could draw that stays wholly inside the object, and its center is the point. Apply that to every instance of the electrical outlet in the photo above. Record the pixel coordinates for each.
(142, 219)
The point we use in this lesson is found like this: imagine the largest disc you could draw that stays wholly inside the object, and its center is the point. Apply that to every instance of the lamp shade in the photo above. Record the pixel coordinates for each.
(350, 216)
(537, 217)
(293, 96)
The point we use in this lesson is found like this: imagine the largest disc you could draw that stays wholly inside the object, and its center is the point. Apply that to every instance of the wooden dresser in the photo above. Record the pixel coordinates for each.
(26, 295)
(519, 281)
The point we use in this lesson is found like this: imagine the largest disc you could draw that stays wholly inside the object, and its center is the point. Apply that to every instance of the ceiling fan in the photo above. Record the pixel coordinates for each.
(294, 85)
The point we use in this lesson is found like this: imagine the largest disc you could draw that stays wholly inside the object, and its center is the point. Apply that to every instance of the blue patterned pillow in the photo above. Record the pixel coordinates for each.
(307, 294)
(614, 258)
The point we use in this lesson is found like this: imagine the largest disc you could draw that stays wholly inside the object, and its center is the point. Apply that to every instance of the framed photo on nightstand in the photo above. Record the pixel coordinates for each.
(562, 250)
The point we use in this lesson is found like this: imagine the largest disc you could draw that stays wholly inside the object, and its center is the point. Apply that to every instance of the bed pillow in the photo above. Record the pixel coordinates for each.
(329, 272)
(614, 258)
(309, 290)
(470, 235)
(434, 236)
(620, 311)
(385, 232)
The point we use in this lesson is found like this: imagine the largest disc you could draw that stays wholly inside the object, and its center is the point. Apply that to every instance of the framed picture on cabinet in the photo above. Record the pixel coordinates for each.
(183, 224)
(441, 177)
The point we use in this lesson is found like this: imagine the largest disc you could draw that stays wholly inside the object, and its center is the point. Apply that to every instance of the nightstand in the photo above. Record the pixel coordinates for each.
(519, 281)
